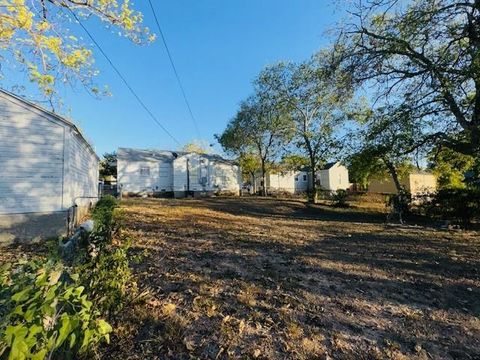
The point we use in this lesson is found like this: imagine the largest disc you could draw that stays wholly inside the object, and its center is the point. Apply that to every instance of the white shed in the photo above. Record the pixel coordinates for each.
(333, 177)
(205, 174)
(48, 171)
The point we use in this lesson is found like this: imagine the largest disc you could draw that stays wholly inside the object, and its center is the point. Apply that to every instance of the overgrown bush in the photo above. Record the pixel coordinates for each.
(45, 313)
(104, 219)
(461, 205)
(339, 198)
(108, 278)
(46, 307)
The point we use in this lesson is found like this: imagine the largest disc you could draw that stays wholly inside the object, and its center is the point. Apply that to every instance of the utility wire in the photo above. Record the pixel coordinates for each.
(174, 69)
(140, 101)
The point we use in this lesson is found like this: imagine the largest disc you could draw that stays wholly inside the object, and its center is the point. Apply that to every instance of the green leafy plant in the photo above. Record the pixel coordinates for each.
(461, 205)
(339, 198)
(104, 219)
(45, 312)
(108, 278)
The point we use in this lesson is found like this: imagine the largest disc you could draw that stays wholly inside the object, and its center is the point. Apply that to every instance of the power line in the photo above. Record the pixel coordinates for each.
(154, 118)
(174, 69)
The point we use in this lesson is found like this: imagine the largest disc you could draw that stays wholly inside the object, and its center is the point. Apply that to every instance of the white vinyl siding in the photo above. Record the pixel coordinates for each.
(31, 160)
(81, 172)
(134, 178)
(35, 158)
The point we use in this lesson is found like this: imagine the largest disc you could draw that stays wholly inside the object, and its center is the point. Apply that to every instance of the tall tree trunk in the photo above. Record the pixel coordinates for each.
(313, 190)
(254, 183)
(394, 174)
(264, 179)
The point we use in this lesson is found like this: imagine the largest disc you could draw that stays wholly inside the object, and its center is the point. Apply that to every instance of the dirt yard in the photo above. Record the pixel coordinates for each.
(271, 279)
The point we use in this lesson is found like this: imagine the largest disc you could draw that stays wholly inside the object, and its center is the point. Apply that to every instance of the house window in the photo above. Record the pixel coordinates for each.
(145, 171)
(304, 177)
(296, 178)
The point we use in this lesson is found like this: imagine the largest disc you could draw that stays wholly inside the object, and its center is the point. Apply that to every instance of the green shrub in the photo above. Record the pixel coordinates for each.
(44, 312)
(108, 277)
(461, 205)
(339, 198)
(105, 224)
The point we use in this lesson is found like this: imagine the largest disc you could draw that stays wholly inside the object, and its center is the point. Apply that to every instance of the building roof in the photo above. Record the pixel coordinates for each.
(211, 157)
(52, 115)
(164, 155)
(329, 165)
(146, 154)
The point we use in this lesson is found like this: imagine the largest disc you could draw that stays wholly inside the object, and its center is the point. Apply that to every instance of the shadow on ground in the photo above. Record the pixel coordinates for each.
(276, 279)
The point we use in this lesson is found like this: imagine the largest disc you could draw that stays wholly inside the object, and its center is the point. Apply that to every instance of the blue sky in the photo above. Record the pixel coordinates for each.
(218, 46)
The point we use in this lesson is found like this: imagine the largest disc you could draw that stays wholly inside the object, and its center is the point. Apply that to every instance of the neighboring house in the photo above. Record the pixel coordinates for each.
(333, 177)
(293, 182)
(163, 173)
(145, 171)
(48, 171)
(416, 183)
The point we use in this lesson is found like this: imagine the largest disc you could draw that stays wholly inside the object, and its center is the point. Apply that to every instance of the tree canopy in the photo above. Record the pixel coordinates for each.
(37, 35)
(260, 127)
(422, 58)
(314, 94)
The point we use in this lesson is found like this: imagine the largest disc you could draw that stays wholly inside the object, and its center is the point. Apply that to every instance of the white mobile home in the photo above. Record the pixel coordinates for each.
(48, 171)
(205, 174)
(145, 171)
(164, 173)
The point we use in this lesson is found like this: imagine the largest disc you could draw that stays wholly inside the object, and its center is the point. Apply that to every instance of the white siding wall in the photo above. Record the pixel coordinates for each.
(226, 177)
(31, 159)
(220, 175)
(81, 172)
(294, 182)
(335, 178)
(134, 177)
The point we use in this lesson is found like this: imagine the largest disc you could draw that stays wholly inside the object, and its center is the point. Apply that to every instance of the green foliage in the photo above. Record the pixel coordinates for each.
(461, 205)
(36, 37)
(294, 162)
(108, 164)
(45, 312)
(107, 278)
(450, 167)
(197, 146)
(339, 198)
(105, 222)
(421, 58)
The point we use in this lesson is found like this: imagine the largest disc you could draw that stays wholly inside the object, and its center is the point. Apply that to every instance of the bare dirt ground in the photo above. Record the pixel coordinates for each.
(273, 279)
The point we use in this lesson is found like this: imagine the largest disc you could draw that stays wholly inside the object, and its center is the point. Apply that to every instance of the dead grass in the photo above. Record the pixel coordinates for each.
(278, 279)
(252, 278)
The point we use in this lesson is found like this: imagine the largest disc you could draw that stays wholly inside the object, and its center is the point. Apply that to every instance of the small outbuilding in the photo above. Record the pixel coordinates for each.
(48, 171)
(416, 183)
(290, 182)
(333, 176)
(179, 174)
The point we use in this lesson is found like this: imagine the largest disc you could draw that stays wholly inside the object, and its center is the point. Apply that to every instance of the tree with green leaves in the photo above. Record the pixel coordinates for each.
(197, 146)
(293, 162)
(37, 36)
(423, 57)
(108, 165)
(314, 93)
(450, 167)
(261, 128)
(250, 165)
(385, 145)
